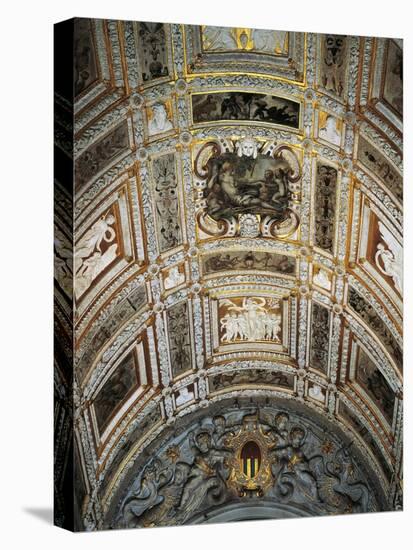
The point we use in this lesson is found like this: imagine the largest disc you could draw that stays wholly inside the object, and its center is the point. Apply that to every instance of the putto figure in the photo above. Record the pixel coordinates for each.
(329, 132)
(160, 121)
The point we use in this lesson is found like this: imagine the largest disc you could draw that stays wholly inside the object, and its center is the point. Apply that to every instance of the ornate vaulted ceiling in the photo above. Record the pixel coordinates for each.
(238, 243)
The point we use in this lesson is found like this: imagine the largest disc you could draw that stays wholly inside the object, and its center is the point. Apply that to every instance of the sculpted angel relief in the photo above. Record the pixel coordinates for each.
(384, 252)
(254, 319)
(222, 461)
(94, 252)
(389, 257)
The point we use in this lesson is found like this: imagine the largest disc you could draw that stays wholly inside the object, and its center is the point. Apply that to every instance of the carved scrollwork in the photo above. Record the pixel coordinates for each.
(211, 149)
(215, 228)
(280, 230)
(294, 173)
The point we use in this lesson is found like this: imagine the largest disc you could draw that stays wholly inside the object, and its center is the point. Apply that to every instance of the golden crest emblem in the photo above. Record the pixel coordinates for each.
(250, 469)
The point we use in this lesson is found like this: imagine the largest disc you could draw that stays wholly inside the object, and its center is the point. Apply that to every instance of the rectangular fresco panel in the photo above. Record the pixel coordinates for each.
(372, 380)
(257, 377)
(179, 339)
(228, 267)
(115, 390)
(240, 260)
(166, 202)
(101, 154)
(377, 324)
(320, 337)
(381, 167)
(325, 207)
(333, 66)
(85, 62)
(245, 106)
(153, 50)
(393, 77)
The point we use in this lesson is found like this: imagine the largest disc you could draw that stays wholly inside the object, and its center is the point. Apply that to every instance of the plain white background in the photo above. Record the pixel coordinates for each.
(26, 204)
